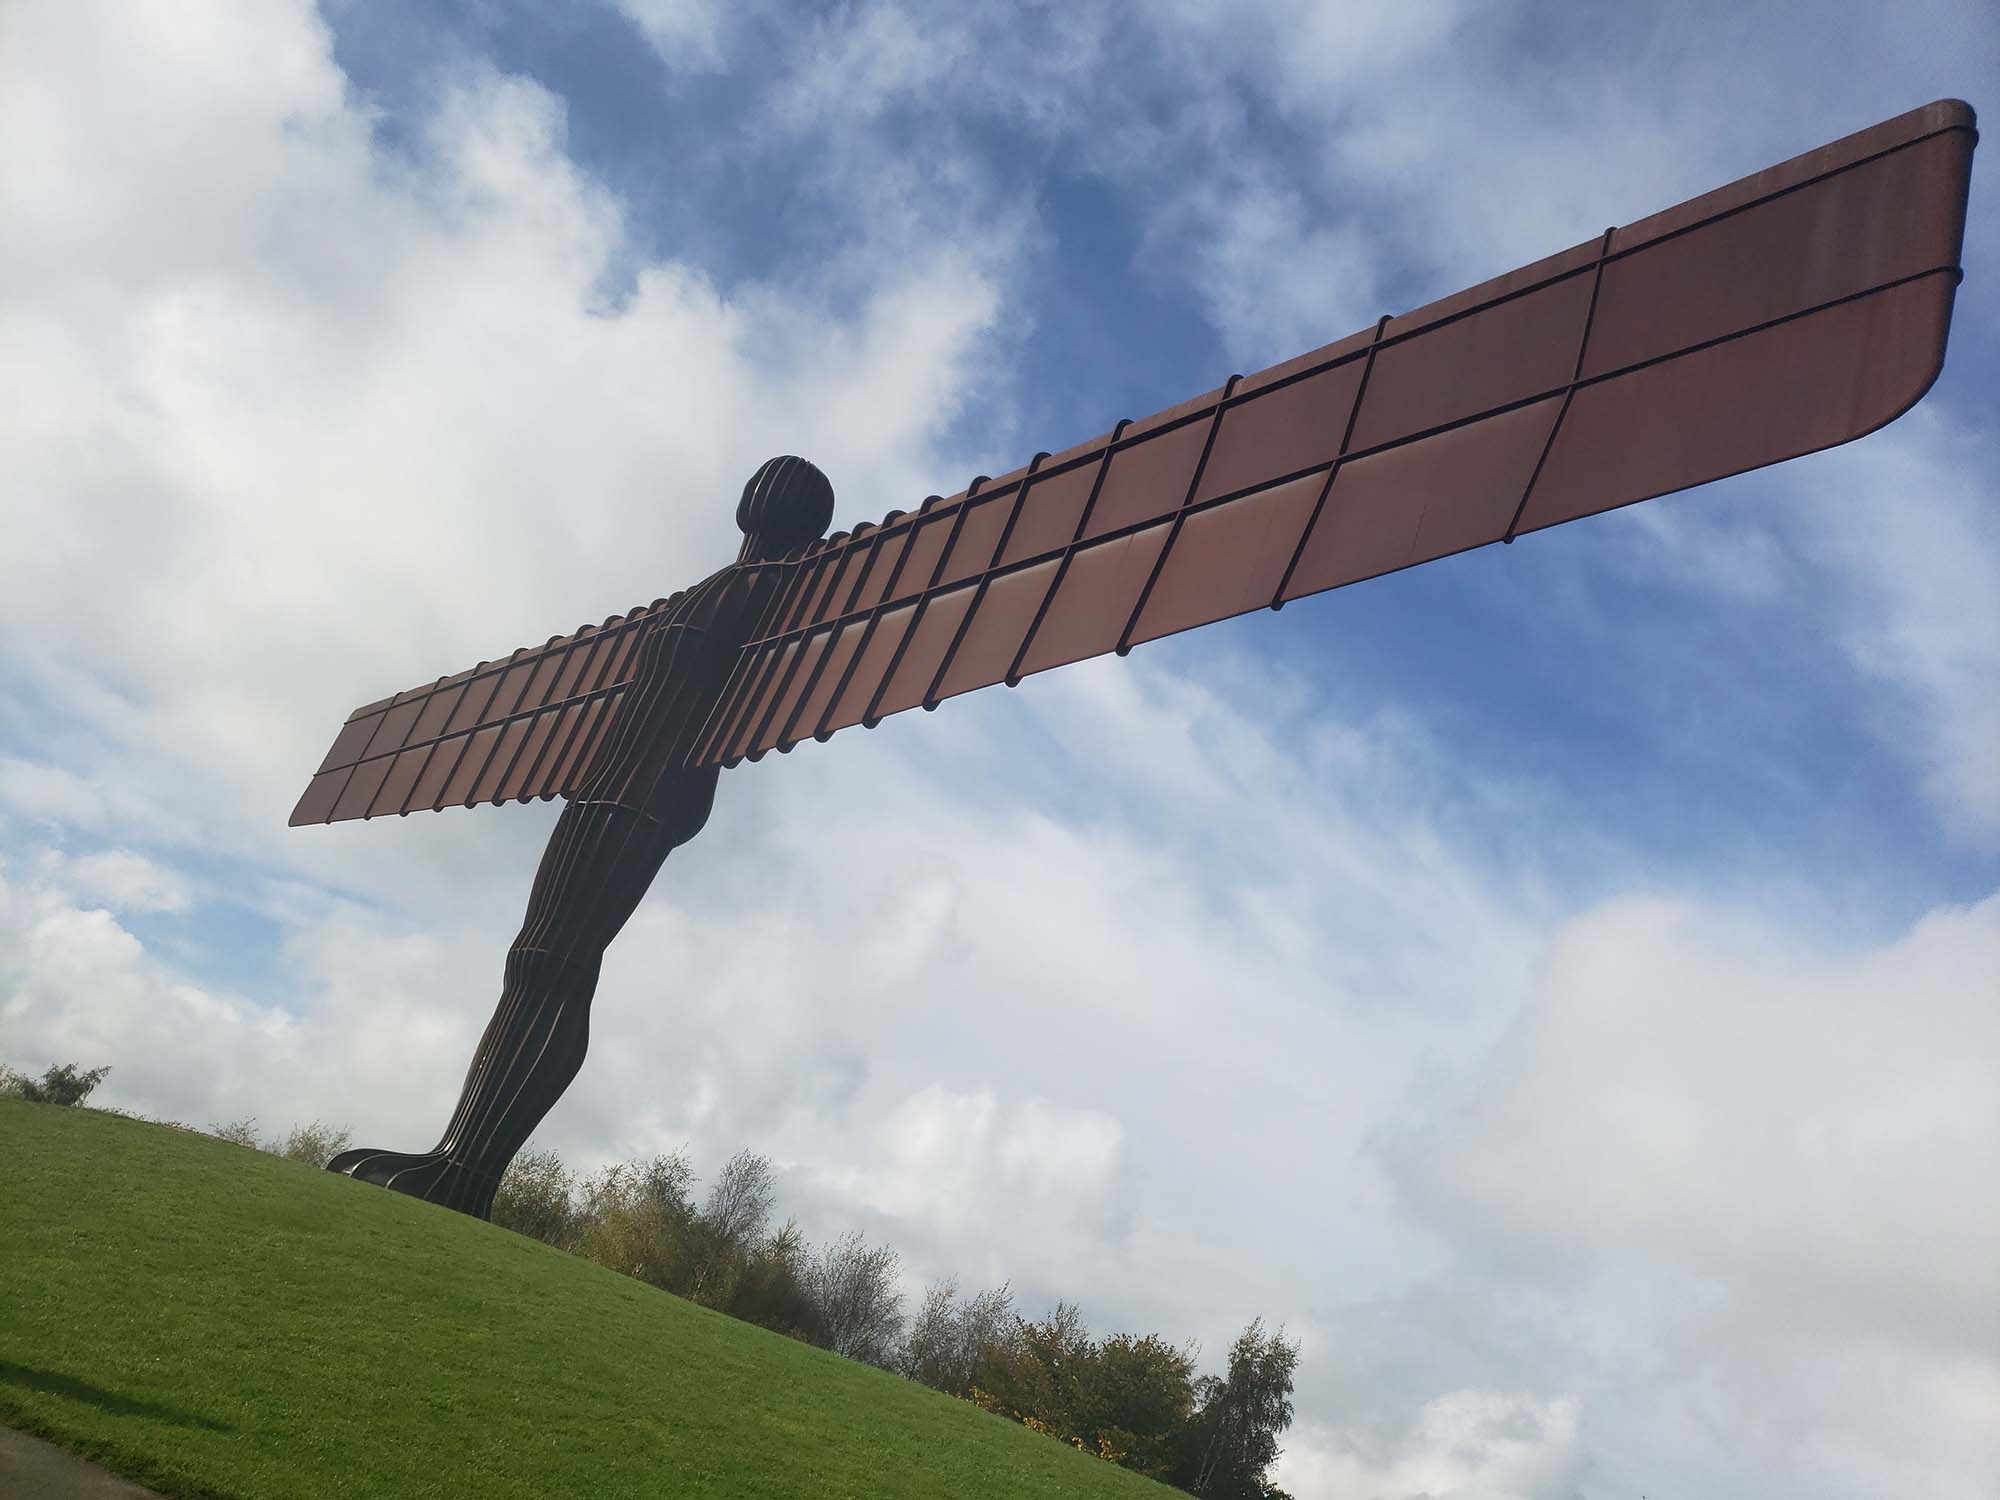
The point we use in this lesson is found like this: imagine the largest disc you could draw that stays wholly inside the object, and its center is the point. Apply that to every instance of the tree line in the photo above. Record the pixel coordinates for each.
(1132, 1400)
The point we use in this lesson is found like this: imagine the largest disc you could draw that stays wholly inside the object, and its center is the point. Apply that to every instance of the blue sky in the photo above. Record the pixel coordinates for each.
(1556, 982)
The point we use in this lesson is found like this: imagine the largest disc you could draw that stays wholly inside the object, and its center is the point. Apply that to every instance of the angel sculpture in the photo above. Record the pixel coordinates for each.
(1790, 311)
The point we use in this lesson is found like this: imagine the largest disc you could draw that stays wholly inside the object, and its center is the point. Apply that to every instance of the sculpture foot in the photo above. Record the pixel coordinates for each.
(428, 1175)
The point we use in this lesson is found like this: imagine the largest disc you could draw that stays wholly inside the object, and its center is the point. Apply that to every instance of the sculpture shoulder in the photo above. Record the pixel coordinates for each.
(725, 605)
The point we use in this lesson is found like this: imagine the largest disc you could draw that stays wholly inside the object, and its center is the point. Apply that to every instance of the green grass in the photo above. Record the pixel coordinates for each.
(213, 1321)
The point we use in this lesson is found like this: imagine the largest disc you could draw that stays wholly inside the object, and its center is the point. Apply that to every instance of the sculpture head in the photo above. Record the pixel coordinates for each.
(786, 504)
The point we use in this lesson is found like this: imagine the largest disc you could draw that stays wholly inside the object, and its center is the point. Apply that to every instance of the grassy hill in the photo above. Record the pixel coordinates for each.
(213, 1321)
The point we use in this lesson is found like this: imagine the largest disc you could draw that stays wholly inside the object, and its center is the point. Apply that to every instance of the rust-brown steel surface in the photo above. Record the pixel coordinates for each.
(1793, 310)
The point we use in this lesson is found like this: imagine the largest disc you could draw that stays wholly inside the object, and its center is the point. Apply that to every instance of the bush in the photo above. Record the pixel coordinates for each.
(241, 1132)
(64, 1084)
(537, 1197)
(313, 1145)
(950, 1340)
(637, 1218)
(856, 1311)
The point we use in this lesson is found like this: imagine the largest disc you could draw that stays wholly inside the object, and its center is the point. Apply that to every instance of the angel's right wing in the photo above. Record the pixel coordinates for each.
(510, 730)
(1787, 312)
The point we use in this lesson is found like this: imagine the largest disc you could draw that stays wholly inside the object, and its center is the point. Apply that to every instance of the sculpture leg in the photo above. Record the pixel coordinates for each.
(598, 864)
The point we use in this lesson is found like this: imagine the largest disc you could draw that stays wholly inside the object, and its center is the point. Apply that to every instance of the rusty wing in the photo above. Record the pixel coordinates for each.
(522, 727)
(1790, 311)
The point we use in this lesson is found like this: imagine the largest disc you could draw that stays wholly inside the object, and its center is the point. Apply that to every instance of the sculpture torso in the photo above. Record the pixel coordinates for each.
(683, 665)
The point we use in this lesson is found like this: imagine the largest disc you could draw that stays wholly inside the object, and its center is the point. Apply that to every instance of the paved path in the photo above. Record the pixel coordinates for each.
(34, 1470)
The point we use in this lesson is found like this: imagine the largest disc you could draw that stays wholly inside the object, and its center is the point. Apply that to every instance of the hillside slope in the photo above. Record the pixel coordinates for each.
(213, 1321)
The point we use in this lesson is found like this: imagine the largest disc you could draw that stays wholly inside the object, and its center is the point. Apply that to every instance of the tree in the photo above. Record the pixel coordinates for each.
(537, 1197)
(949, 1340)
(637, 1218)
(773, 1290)
(724, 1237)
(1234, 1436)
(64, 1084)
(1038, 1376)
(856, 1311)
(1141, 1398)
(1127, 1399)
(739, 1205)
(312, 1145)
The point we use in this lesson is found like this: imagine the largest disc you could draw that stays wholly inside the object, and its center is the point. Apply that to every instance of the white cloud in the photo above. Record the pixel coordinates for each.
(1749, 1182)
(38, 791)
(1684, 1088)
(687, 34)
(963, 1167)
(125, 881)
(1464, 1445)
(1910, 523)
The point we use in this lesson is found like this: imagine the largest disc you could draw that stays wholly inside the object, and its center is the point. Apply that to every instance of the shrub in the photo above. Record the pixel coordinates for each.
(64, 1084)
(241, 1132)
(537, 1197)
(950, 1339)
(856, 1310)
(313, 1145)
(638, 1219)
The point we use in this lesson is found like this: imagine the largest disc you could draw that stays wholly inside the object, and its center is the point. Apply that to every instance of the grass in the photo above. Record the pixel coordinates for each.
(218, 1322)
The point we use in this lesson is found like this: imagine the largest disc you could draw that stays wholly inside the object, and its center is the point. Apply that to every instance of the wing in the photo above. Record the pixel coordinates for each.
(1788, 312)
(507, 730)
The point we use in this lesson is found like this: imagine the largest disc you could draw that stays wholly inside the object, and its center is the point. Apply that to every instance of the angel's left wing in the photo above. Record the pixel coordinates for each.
(1790, 311)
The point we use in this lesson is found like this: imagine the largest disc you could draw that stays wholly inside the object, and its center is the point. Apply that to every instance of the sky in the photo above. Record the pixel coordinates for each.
(1556, 984)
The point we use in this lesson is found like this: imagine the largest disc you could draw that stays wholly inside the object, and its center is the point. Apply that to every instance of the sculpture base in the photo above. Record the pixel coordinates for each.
(427, 1175)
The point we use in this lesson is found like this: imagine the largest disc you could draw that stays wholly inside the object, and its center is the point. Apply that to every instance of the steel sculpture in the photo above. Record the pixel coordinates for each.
(1790, 311)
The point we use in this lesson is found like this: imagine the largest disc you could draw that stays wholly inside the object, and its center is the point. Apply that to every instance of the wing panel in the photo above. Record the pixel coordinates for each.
(1788, 390)
(360, 790)
(1931, 119)
(1230, 557)
(782, 677)
(320, 795)
(1408, 504)
(1095, 598)
(992, 638)
(545, 779)
(1478, 362)
(930, 638)
(885, 565)
(1050, 509)
(566, 772)
(878, 653)
(817, 688)
(926, 552)
(500, 765)
(1877, 223)
(352, 740)
(1283, 431)
(438, 708)
(404, 769)
(1150, 478)
(428, 793)
(978, 539)
(458, 791)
